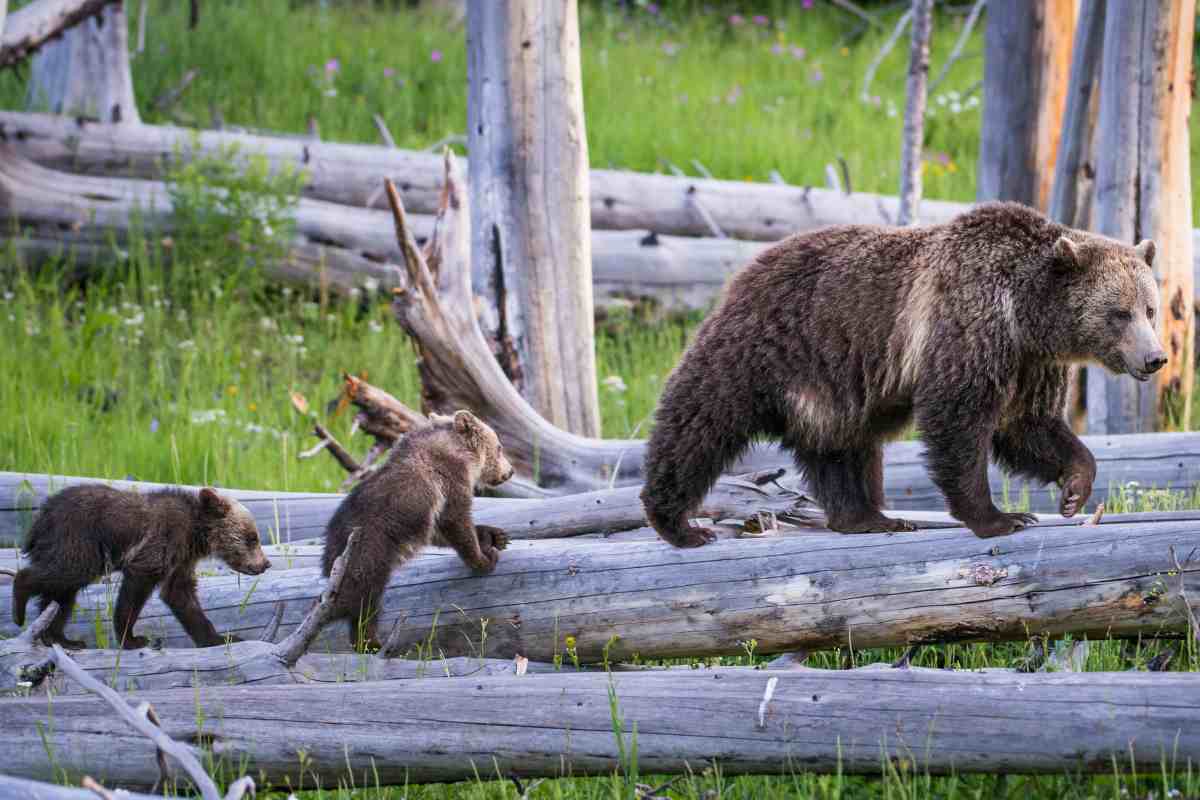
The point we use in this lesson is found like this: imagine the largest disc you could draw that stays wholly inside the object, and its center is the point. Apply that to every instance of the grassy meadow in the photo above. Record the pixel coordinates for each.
(180, 370)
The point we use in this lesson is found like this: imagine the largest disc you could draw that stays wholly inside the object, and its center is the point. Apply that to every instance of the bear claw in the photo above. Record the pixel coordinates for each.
(691, 536)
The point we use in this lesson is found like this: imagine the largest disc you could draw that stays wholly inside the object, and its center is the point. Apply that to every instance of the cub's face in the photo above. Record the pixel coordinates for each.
(495, 467)
(233, 534)
(1118, 303)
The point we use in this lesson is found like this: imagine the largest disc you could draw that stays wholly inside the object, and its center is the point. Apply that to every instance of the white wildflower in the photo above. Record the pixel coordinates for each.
(187, 344)
(267, 324)
(614, 383)
(205, 416)
(371, 284)
(374, 327)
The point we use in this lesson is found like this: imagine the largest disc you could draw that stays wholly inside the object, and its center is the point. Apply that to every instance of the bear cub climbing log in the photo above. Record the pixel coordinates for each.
(834, 341)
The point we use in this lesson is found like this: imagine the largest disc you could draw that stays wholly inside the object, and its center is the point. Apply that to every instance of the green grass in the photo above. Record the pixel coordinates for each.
(181, 370)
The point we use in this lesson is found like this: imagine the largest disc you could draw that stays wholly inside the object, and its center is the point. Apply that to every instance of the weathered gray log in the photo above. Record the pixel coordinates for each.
(237, 663)
(1027, 54)
(914, 112)
(37, 23)
(350, 174)
(341, 246)
(86, 72)
(39, 790)
(803, 591)
(552, 725)
(531, 261)
(291, 516)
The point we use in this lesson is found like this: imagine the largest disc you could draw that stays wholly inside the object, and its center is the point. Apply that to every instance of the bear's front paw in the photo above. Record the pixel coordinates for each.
(490, 536)
(1076, 489)
(1001, 524)
(135, 642)
(491, 557)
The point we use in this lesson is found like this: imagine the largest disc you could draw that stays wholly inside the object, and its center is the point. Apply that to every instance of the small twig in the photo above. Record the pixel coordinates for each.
(339, 453)
(972, 89)
(777, 178)
(890, 43)
(845, 174)
(454, 138)
(88, 781)
(832, 181)
(961, 43)
(414, 263)
(314, 130)
(523, 791)
(700, 168)
(38, 626)
(768, 693)
(171, 96)
(707, 218)
(905, 660)
(164, 773)
(141, 34)
(858, 11)
(1187, 605)
(384, 133)
(675, 170)
(139, 722)
(216, 118)
(643, 791)
(298, 641)
(1094, 519)
(272, 629)
(391, 646)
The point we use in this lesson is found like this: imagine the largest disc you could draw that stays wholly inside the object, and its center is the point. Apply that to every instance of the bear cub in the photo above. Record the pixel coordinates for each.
(154, 539)
(834, 341)
(420, 496)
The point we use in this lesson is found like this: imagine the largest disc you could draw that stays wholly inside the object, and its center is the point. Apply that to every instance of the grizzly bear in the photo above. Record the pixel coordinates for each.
(420, 496)
(154, 539)
(834, 341)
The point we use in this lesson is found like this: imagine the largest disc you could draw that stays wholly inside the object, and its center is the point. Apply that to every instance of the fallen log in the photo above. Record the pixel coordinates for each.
(38, 790)
(338, 246)
(557, 725)
(789, 592)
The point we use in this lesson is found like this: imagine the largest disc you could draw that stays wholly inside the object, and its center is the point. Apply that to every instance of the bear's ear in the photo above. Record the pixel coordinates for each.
(1066, 255)
(466, 423)
(1145, 251)
(211, 501)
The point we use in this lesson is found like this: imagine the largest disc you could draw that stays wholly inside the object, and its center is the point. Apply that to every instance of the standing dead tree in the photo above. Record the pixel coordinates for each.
(86, 71)
(1026, 61)
(914, 112)
(531, 261)
(1143, 191)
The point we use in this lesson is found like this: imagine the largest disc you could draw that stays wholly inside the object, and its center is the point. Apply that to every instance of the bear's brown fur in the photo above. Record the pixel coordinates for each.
(154, 539)
(833, 341)
(420, 496)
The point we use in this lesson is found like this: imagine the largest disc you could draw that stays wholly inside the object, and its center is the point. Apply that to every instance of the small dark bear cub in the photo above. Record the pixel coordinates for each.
(154, 539)
(421, 496)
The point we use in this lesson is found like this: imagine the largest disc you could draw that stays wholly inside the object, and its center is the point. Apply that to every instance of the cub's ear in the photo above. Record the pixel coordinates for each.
(1067, 255)
(1145, 251)
(211, 501)
(466, 423)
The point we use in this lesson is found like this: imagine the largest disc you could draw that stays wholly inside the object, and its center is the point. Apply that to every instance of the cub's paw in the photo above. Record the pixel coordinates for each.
(134, 642)
(1001, 525)
(1076, 489)
(491, 537)
(491, 557)
(691, 536)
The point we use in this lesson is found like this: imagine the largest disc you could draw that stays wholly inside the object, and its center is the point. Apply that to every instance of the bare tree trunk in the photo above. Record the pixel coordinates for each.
(1143, 188)
(530, 249)
(86, 72)
(1028, 51)
(914, 112)
(32, 25)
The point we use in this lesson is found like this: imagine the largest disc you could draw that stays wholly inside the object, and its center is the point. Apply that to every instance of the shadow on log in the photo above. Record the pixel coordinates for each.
(789, 592)
(763, 722)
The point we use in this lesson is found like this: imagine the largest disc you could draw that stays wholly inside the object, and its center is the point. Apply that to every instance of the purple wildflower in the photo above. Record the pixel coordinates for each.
(736, 19)
(777, 49)
(652, 8)
(435, 56)
(761, 20)
(798, 53)
(807, 3)
(154, 425)
(332, 66)
(388, 72)
(816, 76)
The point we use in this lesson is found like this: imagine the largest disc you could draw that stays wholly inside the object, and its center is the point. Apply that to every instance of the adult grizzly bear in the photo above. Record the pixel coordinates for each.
(420, 496)
(833, 341)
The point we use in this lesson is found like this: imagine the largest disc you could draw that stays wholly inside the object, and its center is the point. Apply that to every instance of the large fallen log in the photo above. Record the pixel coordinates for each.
(800, 591)
(38, 790)
(339, 246)
(853, 721)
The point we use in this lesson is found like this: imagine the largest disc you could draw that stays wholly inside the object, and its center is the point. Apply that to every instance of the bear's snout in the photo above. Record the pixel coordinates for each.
(1156, 361)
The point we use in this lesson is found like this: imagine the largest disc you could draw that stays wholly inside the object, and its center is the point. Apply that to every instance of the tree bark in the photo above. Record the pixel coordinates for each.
(86, 72)
(553, 725)
(37, 790)
(1143, 189)
(531, 262)
(802, 590)
(914, 112)
(1026, 66)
